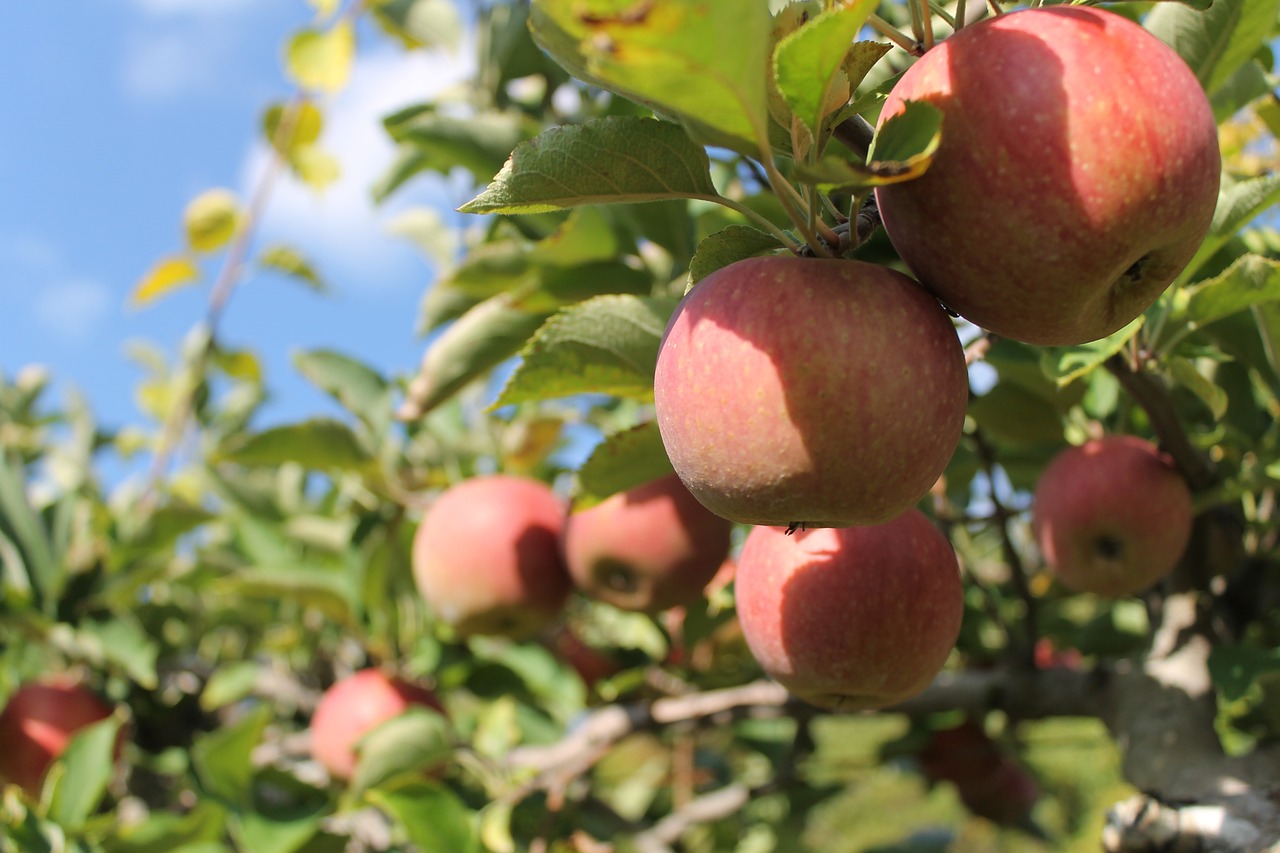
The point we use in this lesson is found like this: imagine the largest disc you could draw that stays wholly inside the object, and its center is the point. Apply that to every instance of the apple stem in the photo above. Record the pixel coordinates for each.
(958, 24)
(894, 35)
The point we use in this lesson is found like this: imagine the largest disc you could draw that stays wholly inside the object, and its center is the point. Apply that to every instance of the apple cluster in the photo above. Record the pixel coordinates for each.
(1076, 176)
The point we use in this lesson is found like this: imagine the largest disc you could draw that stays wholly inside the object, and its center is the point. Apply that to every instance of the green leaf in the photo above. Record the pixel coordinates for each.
(606, 345)
(606, 161)
(432, 141)
(654, 53)
(1014, 414)
(1235, 668)
(87, 767)
(1251, 280)
(122, 641)
(413, 741)
(475, 343)
(726, 246)
(289, 261)
(358, 387)
(1066, 364)
(1185, 374)
(288, 127)
(902, 150)
(223, 758)
(1238, 204)
(229, 683)
(809, 63)
(321, 59)
(324, 590)
(432, 816)
(622, 461)
(321, 444)
(25, 531)
(1215, 42)
(421, 23)
(211, 220)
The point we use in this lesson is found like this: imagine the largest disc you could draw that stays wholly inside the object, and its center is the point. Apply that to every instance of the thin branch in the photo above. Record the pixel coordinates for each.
(894, 35)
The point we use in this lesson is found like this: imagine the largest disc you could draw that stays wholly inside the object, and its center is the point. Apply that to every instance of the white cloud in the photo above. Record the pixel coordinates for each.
(342, 229)
(72, 309)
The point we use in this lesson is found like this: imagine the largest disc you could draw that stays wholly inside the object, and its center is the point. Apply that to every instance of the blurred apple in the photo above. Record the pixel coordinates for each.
(487, 557)
(354, 706)
(1112, 516)
(990, 782)
(38, 721)
(648, 548)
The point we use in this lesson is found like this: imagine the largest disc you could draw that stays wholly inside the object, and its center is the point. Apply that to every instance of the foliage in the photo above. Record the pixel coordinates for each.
(650, 143)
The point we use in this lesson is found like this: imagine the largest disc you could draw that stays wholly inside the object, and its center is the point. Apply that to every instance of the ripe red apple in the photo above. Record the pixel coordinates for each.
(37, 723)
(816, 392)
(354, 706)
(648, 549)
(1077, 174)
(1112, 516)
(851, 618)
(487, 556)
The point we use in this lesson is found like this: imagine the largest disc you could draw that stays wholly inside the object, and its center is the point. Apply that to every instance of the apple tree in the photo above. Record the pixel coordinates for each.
(841, 425)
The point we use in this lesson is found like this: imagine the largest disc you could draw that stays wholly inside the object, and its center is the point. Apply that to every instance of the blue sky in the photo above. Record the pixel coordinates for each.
(119, 112)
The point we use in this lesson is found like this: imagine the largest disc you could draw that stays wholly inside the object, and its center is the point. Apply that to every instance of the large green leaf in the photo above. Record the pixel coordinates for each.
(1215, 42)
(606, 345)
(704, 62)
(622, 461)
(1251, 280)
(223, 758)
(902, 150)
(30, 560)
(415, 740)
(1239, 202)
(436, 142)
(359, 388)
(610, 160)
(1066, 364)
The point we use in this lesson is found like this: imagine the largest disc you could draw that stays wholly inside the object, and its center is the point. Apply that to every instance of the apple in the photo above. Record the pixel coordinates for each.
(486, 556)
(354, 706)
(1077, 173)
(989, 781)
(592, 664)
(37, 723)
(809, 392)
(648, 549)
(851, 618)
(1112, 516)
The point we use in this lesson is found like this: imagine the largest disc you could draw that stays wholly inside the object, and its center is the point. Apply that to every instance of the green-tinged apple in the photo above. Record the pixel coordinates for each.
(487, 558)
(648, 548)
(800, 391)
(851, 618)
(1112, 516)
(38, 721)
(353, 707)
(1077, 174)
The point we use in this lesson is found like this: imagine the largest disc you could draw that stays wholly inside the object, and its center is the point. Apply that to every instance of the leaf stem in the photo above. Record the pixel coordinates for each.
(894, 35)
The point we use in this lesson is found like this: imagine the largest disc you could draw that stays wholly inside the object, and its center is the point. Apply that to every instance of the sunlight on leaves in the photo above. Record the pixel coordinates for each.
(168, 275)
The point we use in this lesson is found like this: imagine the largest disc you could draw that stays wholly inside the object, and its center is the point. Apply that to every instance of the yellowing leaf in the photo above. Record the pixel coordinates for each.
(318, 59)
(315, 167)
(325, 9)
(211, 220)
(167, 275)
(289, 261)
(289, 127)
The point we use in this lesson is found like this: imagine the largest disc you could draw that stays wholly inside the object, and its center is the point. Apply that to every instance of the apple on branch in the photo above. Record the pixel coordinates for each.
(1077, 174)
(38, 722)
(800, 391)
(851, 618)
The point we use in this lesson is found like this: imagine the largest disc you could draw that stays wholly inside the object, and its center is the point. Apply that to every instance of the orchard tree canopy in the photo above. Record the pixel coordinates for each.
(841, 425)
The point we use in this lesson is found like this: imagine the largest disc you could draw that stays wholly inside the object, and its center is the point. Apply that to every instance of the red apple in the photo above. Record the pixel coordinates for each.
(1077, 174)
(593, 665)
(1112, 516)
(487, 556)
(354, 706)
(990, 782)
(37, 723)
(851, 618)
(804, 391)
(648, 549)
